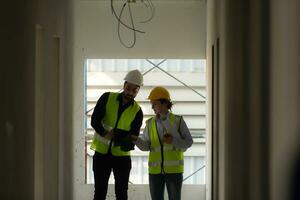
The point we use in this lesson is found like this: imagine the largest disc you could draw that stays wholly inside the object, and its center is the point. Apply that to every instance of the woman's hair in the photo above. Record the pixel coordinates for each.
(166, 101)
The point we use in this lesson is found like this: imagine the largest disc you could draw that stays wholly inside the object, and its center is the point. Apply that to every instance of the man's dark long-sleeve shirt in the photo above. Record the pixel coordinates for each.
(100, 111)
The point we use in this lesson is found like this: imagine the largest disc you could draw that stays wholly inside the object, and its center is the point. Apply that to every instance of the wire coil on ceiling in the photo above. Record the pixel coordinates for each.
(131, 26)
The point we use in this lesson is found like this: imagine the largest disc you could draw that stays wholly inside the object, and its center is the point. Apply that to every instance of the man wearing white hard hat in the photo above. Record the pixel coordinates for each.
(116, 117)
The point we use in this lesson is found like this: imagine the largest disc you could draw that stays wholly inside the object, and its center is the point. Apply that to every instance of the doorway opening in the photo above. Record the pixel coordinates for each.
(186, 81)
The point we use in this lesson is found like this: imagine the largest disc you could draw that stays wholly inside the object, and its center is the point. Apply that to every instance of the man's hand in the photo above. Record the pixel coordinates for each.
(109, 134)
(134, 138)
(168, 138)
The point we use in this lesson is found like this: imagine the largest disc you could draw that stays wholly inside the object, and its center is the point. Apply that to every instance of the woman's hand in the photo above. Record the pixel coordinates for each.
(168, 138)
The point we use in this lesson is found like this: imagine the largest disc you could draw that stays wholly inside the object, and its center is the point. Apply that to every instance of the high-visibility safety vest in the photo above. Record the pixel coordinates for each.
(101, 144)
(163, 157)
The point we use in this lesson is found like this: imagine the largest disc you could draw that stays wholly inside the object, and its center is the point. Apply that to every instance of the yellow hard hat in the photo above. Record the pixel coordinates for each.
(159, 93)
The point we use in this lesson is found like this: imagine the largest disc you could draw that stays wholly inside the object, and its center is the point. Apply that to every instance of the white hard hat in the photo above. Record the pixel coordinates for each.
(134, 77)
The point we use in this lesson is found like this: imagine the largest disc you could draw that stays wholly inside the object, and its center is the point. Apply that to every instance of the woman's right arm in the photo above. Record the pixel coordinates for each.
(143, 141)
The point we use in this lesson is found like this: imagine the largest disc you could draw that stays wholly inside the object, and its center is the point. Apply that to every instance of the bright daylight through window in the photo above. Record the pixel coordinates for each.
(186, 81)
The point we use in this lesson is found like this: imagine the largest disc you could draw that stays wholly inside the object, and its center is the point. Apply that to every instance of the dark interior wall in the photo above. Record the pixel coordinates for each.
(17, 105)
(246, 97)
(285, 99)
(258, 124)
(20, 86)
(215, 160)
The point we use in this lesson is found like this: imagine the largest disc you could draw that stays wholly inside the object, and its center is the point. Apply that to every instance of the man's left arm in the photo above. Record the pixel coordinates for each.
(135, 125)
(124, 137)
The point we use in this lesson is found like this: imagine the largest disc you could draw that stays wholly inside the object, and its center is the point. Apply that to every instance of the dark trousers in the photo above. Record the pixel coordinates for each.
(103, 164)
(157, 183)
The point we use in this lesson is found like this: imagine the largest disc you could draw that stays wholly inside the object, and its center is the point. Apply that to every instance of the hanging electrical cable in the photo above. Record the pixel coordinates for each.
(147, 3)
(118, 18)
(132, 24)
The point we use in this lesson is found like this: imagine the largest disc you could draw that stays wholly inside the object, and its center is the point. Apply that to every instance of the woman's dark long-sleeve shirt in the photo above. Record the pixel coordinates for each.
(99, 113)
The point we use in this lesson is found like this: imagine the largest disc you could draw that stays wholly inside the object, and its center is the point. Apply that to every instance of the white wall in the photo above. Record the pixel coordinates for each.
(176, 31)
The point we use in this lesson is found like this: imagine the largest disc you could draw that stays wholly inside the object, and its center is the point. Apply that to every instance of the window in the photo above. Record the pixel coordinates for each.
(186, 81)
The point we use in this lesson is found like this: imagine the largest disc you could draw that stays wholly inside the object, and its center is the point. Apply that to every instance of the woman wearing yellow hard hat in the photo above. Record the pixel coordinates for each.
(166, 136)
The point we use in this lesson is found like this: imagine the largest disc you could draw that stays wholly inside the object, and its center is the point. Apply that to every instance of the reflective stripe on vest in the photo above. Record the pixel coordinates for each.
(166, 163)
(165, 148)
(163, 155)
(101, 144)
